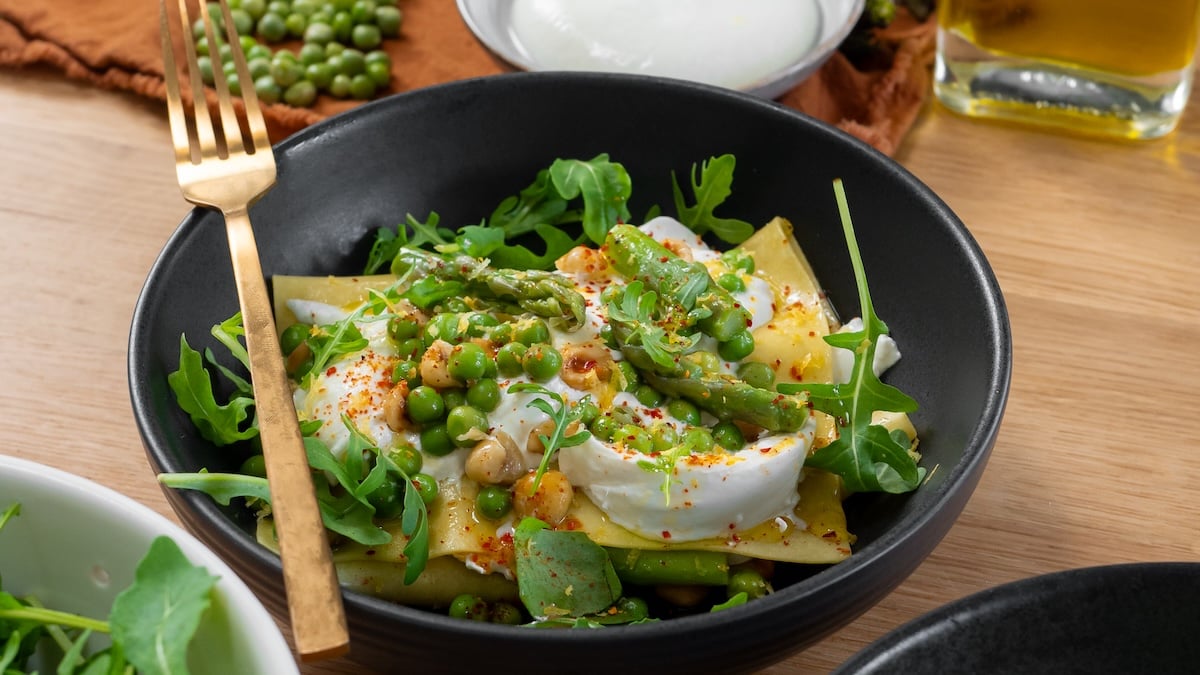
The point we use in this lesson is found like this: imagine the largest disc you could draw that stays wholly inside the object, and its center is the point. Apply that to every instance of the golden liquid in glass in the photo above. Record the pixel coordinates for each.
(1122, 37)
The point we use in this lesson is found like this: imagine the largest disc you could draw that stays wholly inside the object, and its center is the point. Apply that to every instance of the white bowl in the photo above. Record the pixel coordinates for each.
(76, 544)
(498, 25)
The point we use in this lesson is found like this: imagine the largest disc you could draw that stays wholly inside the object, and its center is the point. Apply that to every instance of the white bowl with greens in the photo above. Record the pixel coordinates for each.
(73, 546)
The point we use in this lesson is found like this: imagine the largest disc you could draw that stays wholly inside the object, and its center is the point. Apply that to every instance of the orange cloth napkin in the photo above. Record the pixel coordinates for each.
(115, 44)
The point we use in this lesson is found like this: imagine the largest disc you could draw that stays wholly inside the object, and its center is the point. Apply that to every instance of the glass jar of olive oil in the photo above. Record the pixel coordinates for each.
(1110, 67)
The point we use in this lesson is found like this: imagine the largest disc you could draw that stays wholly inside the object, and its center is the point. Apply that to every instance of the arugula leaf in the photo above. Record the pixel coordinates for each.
(333, 341)
(9, 513)
(739, 598)
(562, 573)
(228, 333)
(865, 455)
(220, 423)
(634, 312)
(488, 242)
(388, 242)
(605, 187)
(713, 187)
(563, 416)
(664, 462)
(156, 617)
(538, 204)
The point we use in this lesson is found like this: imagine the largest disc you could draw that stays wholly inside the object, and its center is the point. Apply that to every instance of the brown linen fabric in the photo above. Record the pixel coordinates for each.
(115, 44)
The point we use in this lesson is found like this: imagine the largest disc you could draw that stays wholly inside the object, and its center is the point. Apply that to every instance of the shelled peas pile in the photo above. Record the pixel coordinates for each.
(340, 54)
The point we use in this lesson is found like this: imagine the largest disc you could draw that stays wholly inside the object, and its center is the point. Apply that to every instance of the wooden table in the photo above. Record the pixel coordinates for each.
(1096, 246)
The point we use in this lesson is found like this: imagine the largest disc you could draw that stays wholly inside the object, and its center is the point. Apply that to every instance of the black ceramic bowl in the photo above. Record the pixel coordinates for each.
(1131, 618)
(460, 148)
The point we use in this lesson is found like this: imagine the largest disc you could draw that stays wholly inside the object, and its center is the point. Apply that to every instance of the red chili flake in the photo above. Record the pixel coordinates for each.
(829, 535)
(663, 259)
(654, 413)
(370, 551)
(666, 534)
(329, 372)
(733, 526)
(735, 539)
(812, 333)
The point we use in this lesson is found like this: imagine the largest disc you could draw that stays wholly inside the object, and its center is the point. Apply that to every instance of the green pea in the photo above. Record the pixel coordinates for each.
(411, 348)
(480, 324)
(441, 327)
(484, 395)
(707, 361)
(255, 8)
(454, 396)
(320, 17)
(407, 371)
(311, 53)
(366, 36)
(425, 405)
(408, 459)
(542, 362)
(305, 7)
(389, 19)
(435, 440)
(229, 68)
(205, 65)
(378, 56)
(279, 7)
(427, 487)
(342, 26)
(202, 47)
(318, 34)
(604, 427)
(234, 84)
(588, 411)
(467, 606)
(286, 72)
(493, 502)
(509, 358)
(295, 24)
(749, 582)
(731, 282)
(531, 331)
(255, 465)
(380, 74)
(505, 613)
(198, 28)
(501, 334)
(401, 328)
(606, 334)
(259, 67)
(243, 23)
(648, 396)
(362, 10)
(728, 436)
(699, 438)
(334, 49)
(466, 425)
(684, 411)
(339, 86)
(388, 498)
(629, 376)
(467, 361)
(757, 374)
(737, 347)
(456, 305)
(635, 437)
(663, 436)
(268, 89)
(293, 336)
(259, 51)
(301, 94)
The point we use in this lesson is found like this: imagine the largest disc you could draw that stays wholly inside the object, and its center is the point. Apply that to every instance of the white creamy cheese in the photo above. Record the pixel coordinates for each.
(887, 353)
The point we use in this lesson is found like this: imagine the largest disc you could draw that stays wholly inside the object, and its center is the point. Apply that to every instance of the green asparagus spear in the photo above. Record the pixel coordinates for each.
(648, 568)
(639, 257)
(543, 293)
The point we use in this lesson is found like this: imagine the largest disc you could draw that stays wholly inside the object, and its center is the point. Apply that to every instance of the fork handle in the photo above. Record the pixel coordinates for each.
(314, 598)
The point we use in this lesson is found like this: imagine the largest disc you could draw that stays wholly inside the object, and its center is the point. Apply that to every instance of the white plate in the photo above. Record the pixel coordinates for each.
(503, 27)
(76, 544)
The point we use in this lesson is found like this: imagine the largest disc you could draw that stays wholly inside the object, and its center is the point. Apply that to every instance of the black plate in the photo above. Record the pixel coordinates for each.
(458, 149)
(1133, 618)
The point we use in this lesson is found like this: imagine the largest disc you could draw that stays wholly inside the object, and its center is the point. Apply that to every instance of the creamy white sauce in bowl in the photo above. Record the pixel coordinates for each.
(762, 47)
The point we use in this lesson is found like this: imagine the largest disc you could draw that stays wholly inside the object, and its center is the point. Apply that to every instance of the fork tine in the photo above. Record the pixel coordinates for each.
(254, 115)
(230, 128)
(204, 130)
(179, 134)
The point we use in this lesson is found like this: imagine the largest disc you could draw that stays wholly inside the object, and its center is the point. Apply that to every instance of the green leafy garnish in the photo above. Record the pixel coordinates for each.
(865, 455)
(713, 187)
(664, 462)
(562, 573)
(151, 622)
(562, 415)
(633, 311)
(154, 619)
(389, 242)
(604, 186)
(222, 424)
(737, 599)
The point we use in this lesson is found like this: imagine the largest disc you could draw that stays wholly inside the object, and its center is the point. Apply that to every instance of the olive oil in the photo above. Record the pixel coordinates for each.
(1106, 66)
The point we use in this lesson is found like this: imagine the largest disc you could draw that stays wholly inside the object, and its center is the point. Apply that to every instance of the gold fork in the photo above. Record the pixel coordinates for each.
(230, 178)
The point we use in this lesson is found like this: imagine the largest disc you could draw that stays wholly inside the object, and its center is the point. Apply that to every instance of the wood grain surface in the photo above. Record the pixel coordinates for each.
(1096, 245)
